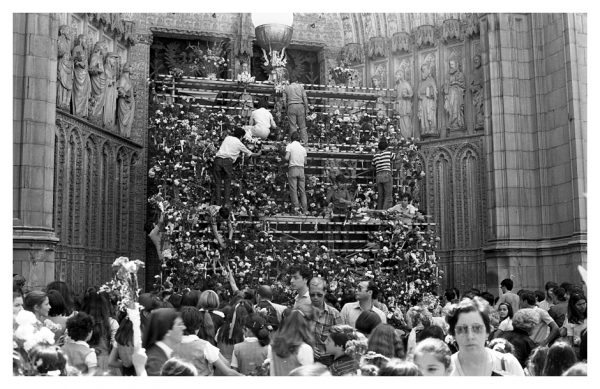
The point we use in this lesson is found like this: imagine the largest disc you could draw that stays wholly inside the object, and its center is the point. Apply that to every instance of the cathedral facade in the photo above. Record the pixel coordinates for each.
(497, 101)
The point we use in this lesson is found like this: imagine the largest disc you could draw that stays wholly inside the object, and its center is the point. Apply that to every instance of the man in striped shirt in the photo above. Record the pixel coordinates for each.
(382, 162)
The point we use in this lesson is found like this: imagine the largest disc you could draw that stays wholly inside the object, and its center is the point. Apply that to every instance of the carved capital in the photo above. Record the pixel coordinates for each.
(425, 36)
(472, 26)
(376, 47)
(401, 42)
(451, 30)
(352, 53)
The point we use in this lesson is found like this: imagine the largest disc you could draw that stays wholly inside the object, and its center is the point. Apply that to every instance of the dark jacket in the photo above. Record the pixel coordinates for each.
(522, 343)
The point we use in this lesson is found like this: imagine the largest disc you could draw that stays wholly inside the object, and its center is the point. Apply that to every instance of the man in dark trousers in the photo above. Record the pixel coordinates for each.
(296, 104)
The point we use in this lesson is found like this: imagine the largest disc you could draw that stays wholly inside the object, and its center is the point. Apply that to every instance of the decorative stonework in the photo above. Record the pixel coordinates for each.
(376, 47)
(425, 36)
(472, 25)
(401, 43)
(353, 53)
(117, 25)
(451, 30)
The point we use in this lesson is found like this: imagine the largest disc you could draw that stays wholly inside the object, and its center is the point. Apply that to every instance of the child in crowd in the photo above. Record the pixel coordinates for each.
(433, 357)
(343, 364)
(48, 360)
(120, 356)
(80, 328)
(251, 353)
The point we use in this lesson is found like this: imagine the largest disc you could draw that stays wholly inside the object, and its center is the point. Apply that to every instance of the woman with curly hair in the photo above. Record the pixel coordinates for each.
(292, 345)
(524, 322)
(469, 323)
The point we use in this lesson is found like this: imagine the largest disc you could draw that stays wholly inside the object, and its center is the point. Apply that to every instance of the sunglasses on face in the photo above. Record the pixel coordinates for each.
(316, 294)
(475, 328)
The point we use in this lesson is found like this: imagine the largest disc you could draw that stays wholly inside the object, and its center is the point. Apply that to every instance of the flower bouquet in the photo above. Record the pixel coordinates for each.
(342, 75)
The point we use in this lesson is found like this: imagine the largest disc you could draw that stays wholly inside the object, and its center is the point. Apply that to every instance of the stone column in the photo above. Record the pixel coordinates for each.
(34, 115)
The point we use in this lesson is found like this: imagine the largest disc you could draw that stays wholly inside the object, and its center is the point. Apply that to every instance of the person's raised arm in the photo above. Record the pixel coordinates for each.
(221, 366)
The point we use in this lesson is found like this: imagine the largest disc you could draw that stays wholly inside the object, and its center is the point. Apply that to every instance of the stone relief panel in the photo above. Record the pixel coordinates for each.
(369, 28)
(476, 86)
(379, 70)
(404, 94)
(427, 95)
(454, 88)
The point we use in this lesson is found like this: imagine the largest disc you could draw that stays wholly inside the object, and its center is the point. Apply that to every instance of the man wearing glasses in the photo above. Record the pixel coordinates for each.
(365, 293)
(325, 316)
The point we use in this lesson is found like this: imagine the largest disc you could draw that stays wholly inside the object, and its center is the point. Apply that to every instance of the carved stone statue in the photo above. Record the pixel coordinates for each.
(111, 69)
(98, 79)
(380, 107)
(477, 91)
(427, 94)
(454, 93)
(65, 69)
(81, 82)
(404, 95)
(125, 102)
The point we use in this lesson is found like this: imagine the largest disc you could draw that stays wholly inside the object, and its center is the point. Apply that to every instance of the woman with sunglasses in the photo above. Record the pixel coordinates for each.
(469, 323)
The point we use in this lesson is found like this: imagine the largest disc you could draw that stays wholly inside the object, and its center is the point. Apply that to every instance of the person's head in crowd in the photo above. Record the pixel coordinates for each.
(506, 285)
(540, 296)
(316, 291)
(487, 296)
(314, 369)
(399, 367)
(469, 294)
(501, 345)
(405, 199)
(294, 331)
(300, 277)
(97, 307)
(560, 295)
(385, 340)
(560, 357)
(48, 360)
(263, 102)
(19, 282)
(191, 298)
(537, 360)
(164, 325)
(526, 319)
(178, 367)
(577, 308)
(37, 302)
(80, 326)
(239, 132)
(366, 290)
(549, 288)
(339, 335)
(528, 300)
(124, 335)
(431, 331)
(366, 322)
(145, 300)
(232, 330)
(578, 369)
(505, 311)
(256, 326)
(17, 301)
(476, 292)
(192, 319)
(567, 287)
(57, 304)
(175, 300)
(433, 357)
(295, 137)
(383, 144)
(450, 295)
(469, 316)
(264, 292)
(66, 292)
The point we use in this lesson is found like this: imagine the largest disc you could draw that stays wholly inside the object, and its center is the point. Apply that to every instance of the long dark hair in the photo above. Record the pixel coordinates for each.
(160, 322)
(66, 293)
(97, 307)
(258, 326)
(293, 332)
(236, 318)
(560, 357)
(124, 335)
(509, 308)
(574, 316)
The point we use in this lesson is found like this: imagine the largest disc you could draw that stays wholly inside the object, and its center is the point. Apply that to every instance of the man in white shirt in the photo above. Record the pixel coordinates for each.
(546, 331)
(228, 153)
(548, 302)
(295, 154)
(261, 120)
(364, 296)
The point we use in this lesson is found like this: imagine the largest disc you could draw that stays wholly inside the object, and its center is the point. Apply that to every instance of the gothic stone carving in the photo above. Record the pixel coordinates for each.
(451, 30)
(401, 43)
(425, 36)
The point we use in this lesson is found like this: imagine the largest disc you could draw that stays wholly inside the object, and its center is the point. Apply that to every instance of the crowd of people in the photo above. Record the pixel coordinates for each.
(197, 333)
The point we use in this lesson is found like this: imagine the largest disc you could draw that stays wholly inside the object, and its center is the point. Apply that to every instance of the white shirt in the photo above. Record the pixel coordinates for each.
(297, 155)
(262, 118)
(231, 148)
(234, 360)
(351, 311)
(91, 360)
(211, 353)
(511, 364)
